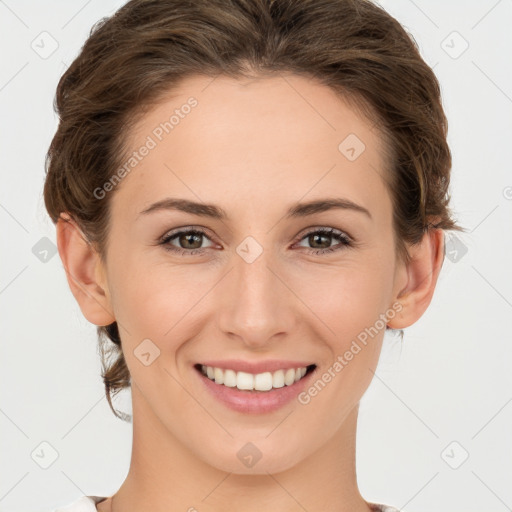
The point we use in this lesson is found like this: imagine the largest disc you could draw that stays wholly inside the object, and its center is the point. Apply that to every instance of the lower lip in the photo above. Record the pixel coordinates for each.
(255, 402)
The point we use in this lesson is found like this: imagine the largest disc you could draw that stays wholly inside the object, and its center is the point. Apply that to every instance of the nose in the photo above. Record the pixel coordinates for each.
(256, 304)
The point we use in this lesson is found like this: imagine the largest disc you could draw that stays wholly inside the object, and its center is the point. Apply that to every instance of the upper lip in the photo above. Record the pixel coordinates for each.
(272, 365)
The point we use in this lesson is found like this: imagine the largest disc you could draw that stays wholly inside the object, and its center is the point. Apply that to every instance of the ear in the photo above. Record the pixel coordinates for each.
(84, 272)
(420, 278)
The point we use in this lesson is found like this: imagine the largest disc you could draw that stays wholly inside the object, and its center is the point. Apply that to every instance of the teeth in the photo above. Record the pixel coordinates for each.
(259, 382)
(219, 376)
(230, 378)
(289, 377)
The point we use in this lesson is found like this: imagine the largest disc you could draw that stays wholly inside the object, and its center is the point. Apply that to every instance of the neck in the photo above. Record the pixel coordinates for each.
(164, 475)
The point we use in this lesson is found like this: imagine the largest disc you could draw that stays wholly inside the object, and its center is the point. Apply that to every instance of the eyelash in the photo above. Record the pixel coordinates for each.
(345, 240)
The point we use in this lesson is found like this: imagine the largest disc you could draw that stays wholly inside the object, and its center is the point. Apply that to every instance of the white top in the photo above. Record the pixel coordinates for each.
(88, 504)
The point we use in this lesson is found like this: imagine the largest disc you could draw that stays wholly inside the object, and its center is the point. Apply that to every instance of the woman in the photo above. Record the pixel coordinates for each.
(247, 195)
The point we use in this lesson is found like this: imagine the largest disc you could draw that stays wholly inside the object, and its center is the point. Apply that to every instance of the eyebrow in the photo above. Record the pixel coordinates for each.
(215, 212)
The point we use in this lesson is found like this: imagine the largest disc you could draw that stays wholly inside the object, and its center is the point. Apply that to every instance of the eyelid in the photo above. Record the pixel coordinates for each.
(345, 239)
(186, 229)
(325, 229)
(298, 238)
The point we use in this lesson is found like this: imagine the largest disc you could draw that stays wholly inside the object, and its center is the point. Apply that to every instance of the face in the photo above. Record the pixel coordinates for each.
(260, 284)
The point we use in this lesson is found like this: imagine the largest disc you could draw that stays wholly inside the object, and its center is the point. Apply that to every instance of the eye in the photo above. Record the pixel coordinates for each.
(190, 239)
(316, 236)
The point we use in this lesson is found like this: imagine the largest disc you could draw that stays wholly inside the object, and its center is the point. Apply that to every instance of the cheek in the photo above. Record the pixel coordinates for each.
(146, 294)
(159, 303)
(347, 298)
(351, 303)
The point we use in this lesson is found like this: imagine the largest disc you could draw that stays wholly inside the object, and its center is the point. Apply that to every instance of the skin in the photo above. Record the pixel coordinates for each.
(254, 148)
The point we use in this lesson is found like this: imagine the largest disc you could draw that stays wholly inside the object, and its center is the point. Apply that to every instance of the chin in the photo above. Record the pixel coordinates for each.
(242, 457)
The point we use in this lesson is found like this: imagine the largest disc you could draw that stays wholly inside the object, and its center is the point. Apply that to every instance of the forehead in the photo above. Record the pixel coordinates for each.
(219, 138)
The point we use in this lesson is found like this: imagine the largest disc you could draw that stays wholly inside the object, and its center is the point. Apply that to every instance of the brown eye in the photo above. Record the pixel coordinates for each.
(189, 241)
(316, 240)
(321, 240)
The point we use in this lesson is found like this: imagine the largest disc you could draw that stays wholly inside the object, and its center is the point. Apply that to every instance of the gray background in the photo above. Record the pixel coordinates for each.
(442, 396)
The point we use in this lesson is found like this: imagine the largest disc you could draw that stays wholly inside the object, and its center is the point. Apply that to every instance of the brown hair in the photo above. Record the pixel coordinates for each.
(136, 56)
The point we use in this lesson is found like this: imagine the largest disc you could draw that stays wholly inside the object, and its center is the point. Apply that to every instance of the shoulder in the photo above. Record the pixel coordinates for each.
(82, 504)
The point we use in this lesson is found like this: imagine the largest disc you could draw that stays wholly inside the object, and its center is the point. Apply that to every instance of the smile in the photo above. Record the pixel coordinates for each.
(246, 381)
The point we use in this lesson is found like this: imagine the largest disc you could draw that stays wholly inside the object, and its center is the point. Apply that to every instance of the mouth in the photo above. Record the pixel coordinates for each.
(249, 382)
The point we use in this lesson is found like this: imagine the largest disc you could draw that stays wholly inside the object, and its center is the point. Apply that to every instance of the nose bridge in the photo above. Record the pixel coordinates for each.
(258, 304)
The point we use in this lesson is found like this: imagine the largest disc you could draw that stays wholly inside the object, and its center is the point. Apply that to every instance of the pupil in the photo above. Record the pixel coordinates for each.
(191, 236)
(317, 236)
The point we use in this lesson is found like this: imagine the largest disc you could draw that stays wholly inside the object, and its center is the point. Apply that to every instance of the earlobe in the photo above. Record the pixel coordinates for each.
(422, 272)
(84, 272)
